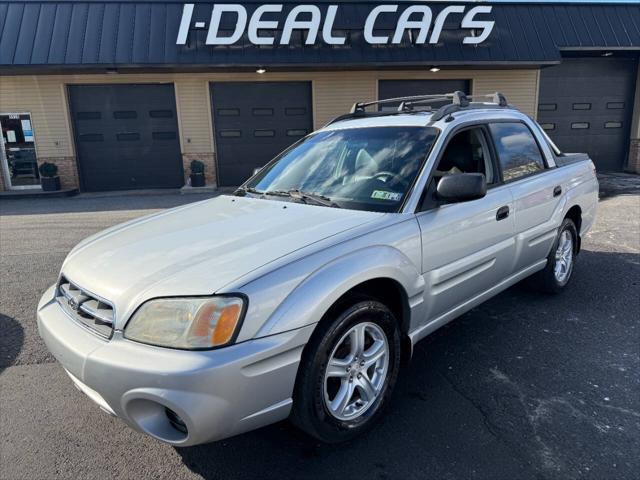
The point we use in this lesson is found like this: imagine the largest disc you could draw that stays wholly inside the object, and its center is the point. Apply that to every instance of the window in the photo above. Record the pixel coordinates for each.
(124, 114)
(228, 112)
(163, 135)
(579, 125)
(613, 125)
(88, 115)
(547, 107)
(517, 149)
(295, 111)
(18, 161)
(263, 112)
(264, 133)
(161, 114)
(91, 137)
(582, 106)
(548, 126)
(293, 132)
(128, 137)
(615, 105)
(230, 133)
(466, 152)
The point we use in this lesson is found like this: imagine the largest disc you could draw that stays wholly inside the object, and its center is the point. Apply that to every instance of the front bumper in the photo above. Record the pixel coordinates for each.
(216, 393)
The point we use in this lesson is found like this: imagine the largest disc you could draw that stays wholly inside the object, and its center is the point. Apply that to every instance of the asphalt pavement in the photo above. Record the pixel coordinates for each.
(524, 386)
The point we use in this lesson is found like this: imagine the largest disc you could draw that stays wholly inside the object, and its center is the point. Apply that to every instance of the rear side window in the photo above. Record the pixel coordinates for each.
(517, 150)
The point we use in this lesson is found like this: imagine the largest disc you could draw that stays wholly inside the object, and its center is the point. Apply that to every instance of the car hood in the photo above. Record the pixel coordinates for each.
(199, 248)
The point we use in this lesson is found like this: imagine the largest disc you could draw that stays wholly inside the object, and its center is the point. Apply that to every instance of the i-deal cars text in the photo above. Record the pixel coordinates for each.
(299, 295)
(309, 18)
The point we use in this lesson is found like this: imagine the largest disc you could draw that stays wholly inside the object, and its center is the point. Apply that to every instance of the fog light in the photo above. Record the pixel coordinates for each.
(175, 420)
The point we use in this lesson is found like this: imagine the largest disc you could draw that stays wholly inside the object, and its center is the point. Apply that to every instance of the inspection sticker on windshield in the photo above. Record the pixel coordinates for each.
(382, 195)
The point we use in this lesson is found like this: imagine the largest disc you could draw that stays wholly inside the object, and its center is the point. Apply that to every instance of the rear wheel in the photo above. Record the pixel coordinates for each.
(348, 371)
(560, 262)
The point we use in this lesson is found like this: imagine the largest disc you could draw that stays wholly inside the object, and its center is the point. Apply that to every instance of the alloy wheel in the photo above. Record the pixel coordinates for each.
(564, 257)
(356, 371)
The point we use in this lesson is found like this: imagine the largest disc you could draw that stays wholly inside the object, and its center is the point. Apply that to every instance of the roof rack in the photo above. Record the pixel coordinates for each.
(455, 97)
(498, 100)
(459, 101)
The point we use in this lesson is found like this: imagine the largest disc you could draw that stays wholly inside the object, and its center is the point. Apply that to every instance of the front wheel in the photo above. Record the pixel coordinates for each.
(347, 373)
(560, 262)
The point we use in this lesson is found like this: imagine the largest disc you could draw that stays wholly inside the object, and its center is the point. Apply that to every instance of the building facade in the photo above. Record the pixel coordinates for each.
(124, 95)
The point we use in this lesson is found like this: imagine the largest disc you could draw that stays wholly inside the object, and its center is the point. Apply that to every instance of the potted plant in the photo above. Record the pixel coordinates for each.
(197, 173)
(49, 178)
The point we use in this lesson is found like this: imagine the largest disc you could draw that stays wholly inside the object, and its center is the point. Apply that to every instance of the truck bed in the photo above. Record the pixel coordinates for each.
(570, 158)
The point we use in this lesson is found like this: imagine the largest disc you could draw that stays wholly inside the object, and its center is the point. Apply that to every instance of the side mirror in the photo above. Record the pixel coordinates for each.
(462, 187)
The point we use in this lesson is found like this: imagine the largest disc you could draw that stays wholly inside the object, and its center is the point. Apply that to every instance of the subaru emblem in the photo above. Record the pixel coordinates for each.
(73, 304)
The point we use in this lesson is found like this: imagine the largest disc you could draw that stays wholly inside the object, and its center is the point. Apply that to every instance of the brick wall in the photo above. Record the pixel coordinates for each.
(634, 156)
(209, 161)
(67, 170)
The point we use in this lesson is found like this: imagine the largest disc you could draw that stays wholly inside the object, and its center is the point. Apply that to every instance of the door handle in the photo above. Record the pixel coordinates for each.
(502, 213)
(557, 191)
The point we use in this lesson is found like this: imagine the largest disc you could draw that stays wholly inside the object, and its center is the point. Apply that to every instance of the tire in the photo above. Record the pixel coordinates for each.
(550, 279)
(317, 390)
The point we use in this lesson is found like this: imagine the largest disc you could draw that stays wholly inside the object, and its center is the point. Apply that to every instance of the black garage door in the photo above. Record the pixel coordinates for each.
(407, 88)
(126, 136)
(585, 105)
(254, 121)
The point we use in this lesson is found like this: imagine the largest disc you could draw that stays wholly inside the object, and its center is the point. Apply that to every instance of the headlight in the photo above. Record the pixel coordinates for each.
(188, 323)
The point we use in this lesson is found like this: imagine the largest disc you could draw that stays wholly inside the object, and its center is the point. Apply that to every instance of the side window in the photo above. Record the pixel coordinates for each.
(466, 152)
(517, 149)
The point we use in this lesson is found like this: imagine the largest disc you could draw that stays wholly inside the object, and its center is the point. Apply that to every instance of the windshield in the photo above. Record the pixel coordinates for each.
(360, 168)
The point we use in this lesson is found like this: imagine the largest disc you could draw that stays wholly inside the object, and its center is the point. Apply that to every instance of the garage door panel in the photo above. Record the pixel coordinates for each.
(583, 106)
(254, 122)
(126, 136)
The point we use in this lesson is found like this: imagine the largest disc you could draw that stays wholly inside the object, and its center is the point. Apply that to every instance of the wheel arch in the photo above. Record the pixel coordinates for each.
(381, 272)
(390, 293)
(575, 214)
(387, 291)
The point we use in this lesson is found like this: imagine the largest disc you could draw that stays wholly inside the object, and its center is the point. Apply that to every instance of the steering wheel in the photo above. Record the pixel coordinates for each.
(389, 175)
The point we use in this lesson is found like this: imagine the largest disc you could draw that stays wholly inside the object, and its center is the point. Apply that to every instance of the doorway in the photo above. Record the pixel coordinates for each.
(18, 151)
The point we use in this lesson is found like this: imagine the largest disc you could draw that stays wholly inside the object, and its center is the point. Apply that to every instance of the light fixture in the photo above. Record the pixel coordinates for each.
(261, 70)
(434, 69)
(607, 54)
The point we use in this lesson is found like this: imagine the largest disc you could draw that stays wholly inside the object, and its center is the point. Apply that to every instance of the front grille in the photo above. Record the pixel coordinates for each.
(85, 308)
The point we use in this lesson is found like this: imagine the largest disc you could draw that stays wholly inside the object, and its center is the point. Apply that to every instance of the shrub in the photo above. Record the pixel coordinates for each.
(197, 167)
(48, 169)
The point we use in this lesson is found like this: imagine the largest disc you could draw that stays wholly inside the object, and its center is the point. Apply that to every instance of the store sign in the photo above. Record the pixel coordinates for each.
(309, 18)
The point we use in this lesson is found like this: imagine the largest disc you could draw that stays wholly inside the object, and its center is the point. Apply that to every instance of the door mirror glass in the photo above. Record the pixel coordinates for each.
(462, 187)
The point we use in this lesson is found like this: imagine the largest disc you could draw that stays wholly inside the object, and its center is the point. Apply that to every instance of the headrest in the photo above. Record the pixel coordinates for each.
(460, 155)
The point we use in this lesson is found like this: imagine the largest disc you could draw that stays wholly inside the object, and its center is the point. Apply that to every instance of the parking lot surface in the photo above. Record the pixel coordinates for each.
(524, 386)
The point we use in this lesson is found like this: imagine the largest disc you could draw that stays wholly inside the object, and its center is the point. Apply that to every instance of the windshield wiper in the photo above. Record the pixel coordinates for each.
(305, 197)
(242, 191)
(317, 199)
